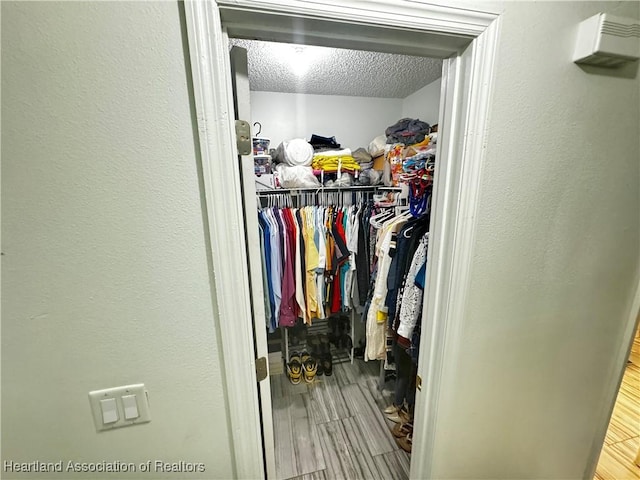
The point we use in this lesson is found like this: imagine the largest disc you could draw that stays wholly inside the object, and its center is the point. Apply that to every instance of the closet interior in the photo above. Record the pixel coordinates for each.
(344, 151)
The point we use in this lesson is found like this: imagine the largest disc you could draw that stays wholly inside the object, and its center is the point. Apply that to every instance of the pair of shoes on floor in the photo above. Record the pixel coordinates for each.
(397, 414)
(403, 434)
(301, 366)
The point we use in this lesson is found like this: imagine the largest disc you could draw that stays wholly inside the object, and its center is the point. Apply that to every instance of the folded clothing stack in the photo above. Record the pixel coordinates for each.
(407, 131)
(334, 160)
(320, 143)
(363, 158)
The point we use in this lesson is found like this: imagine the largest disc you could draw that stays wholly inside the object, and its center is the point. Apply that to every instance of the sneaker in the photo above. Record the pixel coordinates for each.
(310, 368)
(294, 369)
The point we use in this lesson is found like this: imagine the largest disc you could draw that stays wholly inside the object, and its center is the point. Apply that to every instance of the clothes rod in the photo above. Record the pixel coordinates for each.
(359, 188)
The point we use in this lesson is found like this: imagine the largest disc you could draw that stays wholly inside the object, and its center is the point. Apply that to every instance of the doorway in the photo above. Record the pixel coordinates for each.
(320, 419)
(466, 40)
(620, 454)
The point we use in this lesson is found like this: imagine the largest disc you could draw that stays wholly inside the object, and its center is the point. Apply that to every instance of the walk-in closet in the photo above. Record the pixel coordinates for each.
(342, 160)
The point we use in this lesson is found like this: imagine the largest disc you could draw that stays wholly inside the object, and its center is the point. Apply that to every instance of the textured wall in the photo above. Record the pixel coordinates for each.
(283, 67)
(424, 104)
(105, 277)
(555, 260)
(354, 121)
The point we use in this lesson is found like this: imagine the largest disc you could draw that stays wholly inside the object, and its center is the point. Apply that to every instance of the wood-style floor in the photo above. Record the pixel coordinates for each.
(623, 436)
(334, 428)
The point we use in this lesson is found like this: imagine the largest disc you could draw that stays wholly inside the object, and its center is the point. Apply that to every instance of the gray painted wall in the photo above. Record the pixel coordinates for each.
(105, 277)
(105, 271)
(556, 258)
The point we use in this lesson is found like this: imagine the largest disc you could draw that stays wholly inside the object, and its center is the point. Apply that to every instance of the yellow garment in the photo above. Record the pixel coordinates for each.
(311, 264)
(423, 143)
(330, 163)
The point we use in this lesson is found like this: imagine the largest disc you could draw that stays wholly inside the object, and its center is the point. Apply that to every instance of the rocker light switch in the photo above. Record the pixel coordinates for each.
(119, 406)
(130, 407)
(109, 410)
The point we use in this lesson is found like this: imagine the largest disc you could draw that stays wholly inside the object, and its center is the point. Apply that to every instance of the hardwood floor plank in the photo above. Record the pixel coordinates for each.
(340, 459)
(394, 465)
(635, 350)
(622, 440)
(383, 398)
(319, 475)
(354, 435)
(616, 461)
(283, 438)
(309, 456)
(625, 419)
(281, 386)
(327, 403)
(369, 369)
(333, 429)
(369, 420)
(345, 374)
(297, 445)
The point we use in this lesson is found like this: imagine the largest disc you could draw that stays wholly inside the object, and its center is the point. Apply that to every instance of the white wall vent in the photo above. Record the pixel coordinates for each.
(607, 41)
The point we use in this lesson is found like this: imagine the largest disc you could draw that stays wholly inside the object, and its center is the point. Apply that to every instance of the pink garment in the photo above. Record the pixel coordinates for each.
(288, 307)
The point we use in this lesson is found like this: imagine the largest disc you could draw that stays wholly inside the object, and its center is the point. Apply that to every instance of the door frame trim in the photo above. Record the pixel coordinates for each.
(465, 103)
(210, 70)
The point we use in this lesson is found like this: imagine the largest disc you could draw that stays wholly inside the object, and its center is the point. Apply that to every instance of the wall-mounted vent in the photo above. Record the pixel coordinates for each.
(607, 41)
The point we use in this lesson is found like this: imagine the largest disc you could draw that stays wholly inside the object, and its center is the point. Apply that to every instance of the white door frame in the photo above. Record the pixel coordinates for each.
(469, 39)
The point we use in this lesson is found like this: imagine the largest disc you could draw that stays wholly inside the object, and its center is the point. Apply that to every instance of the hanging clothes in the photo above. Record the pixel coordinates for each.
(377, 315)
(310, 261)
(400, 253)
(412, 294)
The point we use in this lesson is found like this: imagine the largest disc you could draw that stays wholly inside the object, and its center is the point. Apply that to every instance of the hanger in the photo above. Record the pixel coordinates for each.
(259, 129)
(379, 218)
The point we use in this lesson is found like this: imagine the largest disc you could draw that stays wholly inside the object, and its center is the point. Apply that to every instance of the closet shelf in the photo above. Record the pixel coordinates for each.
(356, 188)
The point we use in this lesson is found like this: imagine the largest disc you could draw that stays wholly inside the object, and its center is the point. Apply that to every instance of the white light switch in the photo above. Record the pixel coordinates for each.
(109, 410)
(130, 407)
(120, 406)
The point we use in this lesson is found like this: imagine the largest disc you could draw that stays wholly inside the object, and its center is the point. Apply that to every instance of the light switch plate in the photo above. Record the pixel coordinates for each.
(142, 401)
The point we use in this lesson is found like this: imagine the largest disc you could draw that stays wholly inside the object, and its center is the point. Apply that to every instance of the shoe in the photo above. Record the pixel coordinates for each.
(341, 330)
(333, 335)
(327, 364)
(391, 409)
(294, 369)
(405, 442)
(401, 430)
(401, 416)
(309, 368)
(304, 356)
(317, 352)
(314, 344)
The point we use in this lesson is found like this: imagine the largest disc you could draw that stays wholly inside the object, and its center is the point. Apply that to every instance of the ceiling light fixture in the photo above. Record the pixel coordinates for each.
(299, 62)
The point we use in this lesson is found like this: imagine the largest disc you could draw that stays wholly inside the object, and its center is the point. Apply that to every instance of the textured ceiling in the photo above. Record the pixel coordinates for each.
(280, 67)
